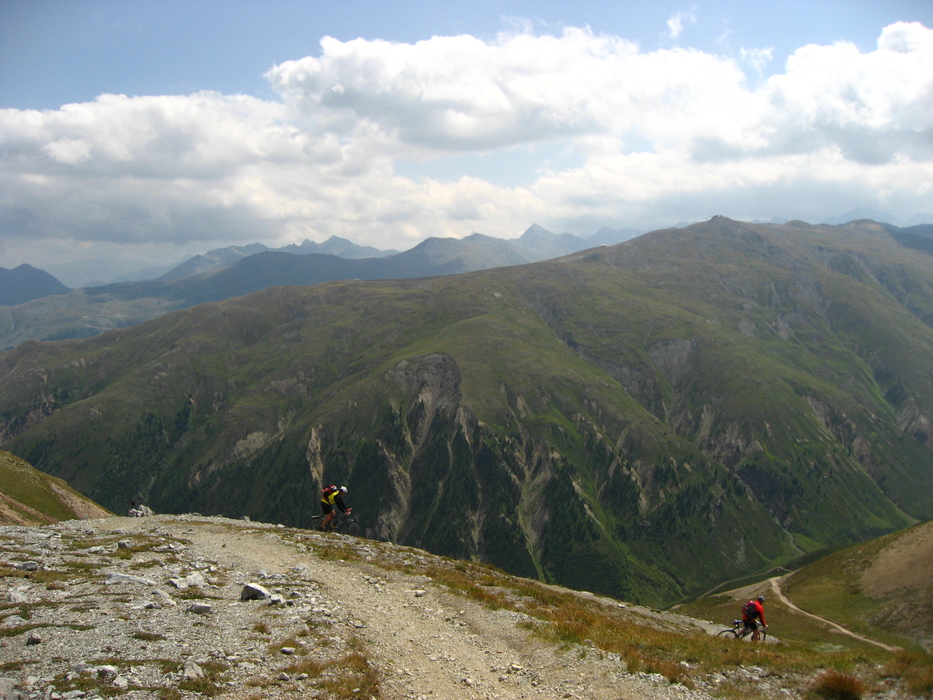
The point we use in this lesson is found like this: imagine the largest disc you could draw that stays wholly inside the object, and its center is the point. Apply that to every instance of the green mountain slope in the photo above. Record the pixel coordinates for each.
(30, 497)
(879, 588)
(643, 420)
(880, 591)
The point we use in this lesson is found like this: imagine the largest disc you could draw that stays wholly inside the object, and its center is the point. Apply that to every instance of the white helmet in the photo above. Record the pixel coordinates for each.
(343, 490)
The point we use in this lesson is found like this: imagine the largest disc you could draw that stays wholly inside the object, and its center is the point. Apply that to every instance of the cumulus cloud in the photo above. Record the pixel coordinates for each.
(656, 137)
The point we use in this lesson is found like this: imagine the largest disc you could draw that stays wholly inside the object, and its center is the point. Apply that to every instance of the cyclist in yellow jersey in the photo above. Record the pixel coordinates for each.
(330, 497)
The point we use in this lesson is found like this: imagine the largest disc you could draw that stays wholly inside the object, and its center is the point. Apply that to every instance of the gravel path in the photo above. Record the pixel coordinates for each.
(419, 640)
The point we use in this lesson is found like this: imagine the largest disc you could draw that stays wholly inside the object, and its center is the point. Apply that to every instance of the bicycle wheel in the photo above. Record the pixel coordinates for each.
(349, 527)
(728, 633)
(762, 634)
(315, 522)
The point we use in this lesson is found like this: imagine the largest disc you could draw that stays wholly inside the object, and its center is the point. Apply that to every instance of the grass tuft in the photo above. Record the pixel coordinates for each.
(836, 685)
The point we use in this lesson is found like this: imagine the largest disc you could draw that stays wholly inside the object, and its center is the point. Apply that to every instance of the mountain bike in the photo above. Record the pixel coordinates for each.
(738, 627)
(341, 523)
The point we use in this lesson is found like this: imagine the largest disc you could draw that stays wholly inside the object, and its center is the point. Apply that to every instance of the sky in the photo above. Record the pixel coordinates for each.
(140, 132)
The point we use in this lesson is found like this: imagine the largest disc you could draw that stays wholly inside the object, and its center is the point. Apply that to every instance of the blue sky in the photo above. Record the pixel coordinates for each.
(144, 131)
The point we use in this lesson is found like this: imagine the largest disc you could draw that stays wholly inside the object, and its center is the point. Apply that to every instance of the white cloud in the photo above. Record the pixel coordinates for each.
(678, 22)
(653, 137)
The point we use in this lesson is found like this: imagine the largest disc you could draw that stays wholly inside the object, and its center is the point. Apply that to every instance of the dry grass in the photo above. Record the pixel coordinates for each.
(915, 669)
(836, 685)
(345, 677)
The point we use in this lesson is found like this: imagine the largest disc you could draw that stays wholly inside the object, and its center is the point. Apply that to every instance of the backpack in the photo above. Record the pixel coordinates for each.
(749, 611)
(327, 491)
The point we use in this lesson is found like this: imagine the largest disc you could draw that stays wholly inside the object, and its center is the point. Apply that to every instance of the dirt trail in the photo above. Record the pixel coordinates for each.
(776, 587)
(426, 642)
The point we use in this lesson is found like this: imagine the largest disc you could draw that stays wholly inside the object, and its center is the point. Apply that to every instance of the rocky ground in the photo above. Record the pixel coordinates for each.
(187, 606)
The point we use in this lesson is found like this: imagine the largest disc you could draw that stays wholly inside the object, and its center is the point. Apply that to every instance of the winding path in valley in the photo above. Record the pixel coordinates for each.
(776, 587)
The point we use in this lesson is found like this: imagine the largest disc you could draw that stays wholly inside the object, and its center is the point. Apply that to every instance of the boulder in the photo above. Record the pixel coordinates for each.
(253, 591)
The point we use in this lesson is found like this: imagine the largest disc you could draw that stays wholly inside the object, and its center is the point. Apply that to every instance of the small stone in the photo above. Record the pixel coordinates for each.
(33, 639)
(283, 676)
(192, 671)
(288, 651)
(15, 598)
(419, 593)
(196, 579)
(253, 591)
(29, 566)
(124, 544)
(199, 608)
(127, 578)
(107, 673)
(180, 583)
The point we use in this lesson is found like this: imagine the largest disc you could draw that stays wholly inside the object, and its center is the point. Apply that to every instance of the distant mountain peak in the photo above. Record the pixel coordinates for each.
(25, 283)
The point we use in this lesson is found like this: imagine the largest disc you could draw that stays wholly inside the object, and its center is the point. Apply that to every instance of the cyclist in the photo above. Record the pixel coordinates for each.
(330, 497)
(753, 611)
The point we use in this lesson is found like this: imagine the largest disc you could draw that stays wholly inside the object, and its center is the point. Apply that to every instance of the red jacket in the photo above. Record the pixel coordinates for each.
(756, 610)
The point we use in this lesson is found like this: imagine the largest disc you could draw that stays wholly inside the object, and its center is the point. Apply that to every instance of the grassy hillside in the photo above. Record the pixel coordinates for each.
(874, 599)
(643, 420)
(882, 588)
(29, 497)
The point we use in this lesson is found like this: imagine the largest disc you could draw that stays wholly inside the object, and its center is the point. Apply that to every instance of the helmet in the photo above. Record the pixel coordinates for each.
(761, 599)
(343, 489)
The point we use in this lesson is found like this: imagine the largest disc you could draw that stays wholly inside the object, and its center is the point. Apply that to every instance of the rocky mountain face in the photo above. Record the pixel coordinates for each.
(643, 420)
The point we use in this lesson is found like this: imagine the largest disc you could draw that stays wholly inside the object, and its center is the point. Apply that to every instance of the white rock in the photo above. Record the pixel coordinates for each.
(107, 673)
(127, 578)
(192, 671)
(164, 598)
(16, 598)
(196, 579)
(253, 591)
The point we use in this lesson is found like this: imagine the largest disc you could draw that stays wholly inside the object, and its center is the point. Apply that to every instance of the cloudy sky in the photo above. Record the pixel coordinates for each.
(144, 131)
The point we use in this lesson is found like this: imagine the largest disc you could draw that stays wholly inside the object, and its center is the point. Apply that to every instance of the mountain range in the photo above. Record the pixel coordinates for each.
(237, 270)
(645, 420)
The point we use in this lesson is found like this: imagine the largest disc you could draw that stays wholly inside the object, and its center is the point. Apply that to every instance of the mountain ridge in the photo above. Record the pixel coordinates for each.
(30, 497)
(230, 272)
